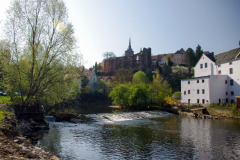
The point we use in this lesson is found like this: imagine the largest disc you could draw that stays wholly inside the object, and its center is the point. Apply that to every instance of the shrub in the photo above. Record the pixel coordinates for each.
(139, 96)
(120, 95)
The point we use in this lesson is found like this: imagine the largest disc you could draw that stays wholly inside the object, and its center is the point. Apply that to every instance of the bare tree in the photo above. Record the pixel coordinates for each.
(107, 55)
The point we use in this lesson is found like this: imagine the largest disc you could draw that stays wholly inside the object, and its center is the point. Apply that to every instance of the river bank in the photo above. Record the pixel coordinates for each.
(12, 144)
(204, 112)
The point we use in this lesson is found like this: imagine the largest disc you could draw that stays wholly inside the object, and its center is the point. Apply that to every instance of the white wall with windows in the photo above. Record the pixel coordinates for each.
(195, 90)
(205, 67)
(232, 69)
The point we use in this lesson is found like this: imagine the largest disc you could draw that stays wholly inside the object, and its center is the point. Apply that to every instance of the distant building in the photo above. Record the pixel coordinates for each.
(133, 62)
(179, 57)
(91, 78)
(217, 79)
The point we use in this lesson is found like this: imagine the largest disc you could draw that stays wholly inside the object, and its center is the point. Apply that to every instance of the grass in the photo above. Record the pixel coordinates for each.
(226, 110)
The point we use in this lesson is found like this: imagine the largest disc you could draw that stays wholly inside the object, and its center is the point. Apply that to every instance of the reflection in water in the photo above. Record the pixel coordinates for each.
(142, 136)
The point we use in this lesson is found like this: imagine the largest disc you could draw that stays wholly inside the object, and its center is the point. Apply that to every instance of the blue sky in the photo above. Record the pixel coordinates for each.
(164, 25)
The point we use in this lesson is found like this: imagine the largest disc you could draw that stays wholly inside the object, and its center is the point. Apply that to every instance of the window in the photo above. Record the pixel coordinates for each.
(201, 66)
(226, 93)
(219, 65)
(219, 100)
(205, 65)
(188, 82)
(198, 100)
(231, 82)
(198, 91)
(202, 80)
(225, 81)
(203, 101)
(232, 93)
(232, 100)
(188, 91)
(203, 91)
(189, 101)
(231, 70)
(226, 100)
(184, 92)
(230, 63)
(219, 72)
(197, 81)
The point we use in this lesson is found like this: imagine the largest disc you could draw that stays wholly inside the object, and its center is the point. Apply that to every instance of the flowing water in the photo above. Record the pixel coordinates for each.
(144, 135)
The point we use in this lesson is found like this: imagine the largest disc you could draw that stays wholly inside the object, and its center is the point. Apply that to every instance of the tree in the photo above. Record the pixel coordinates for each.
(43, 54)
(107, 55)
(159, 89)
(198, 53)
(120, 94)
(140, 77)
(122, 76)
(190, 57)
(139, 96)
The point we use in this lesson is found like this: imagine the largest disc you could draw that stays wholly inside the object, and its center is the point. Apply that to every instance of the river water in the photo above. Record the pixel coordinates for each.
(144, 135)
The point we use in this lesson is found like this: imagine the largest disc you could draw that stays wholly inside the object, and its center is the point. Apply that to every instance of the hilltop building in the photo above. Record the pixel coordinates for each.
(217, 79)
(133, 62)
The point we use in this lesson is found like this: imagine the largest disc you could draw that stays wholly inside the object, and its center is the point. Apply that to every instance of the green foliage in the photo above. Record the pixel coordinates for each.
(43, 57)
(176, 96)
(190, 57)
(5, 100)
(198, 53)
(235, 110)
(159, 89)
(120, 94)
(139, 96)
(140, 77)
(122, 76)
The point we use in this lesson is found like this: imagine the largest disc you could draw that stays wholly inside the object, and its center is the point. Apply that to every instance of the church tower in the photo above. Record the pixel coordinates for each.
(129, 51)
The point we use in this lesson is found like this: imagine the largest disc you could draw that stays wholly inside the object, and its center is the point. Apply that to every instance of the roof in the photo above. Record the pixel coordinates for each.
(88, 74)
(211, 57)
(231, 55)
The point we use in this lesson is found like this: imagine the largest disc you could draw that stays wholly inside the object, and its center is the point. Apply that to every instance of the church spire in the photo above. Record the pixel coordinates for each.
(129, 51)
(129, 46)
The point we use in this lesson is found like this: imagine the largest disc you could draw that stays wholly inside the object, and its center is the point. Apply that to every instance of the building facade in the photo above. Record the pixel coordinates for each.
(133, 62)
(217, 79)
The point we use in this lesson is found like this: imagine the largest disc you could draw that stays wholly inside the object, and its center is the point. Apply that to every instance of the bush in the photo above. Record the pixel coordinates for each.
(120, 94)
(235, 110)
(139, 96)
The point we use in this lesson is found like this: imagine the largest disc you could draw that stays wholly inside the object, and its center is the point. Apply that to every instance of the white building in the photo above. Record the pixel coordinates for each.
(217, 79)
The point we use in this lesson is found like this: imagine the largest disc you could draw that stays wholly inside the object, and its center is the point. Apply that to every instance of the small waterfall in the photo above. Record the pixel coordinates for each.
(126, 116)
(50, 118)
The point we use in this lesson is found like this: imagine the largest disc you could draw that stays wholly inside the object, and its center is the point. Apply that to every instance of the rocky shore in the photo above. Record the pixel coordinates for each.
(12, 143)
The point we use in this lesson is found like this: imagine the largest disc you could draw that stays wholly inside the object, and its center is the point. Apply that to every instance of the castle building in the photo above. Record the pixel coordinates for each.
(133, 62)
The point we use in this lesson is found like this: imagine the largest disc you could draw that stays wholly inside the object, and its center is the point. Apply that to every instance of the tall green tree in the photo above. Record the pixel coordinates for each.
(190, 59)
(198, 53)
(140, 77)
(43, 53)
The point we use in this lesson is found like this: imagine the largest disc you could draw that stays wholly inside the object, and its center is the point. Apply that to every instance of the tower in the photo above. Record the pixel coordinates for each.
(129, 51)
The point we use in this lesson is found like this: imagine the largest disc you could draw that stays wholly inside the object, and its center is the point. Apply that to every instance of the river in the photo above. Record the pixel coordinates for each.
(144, 135)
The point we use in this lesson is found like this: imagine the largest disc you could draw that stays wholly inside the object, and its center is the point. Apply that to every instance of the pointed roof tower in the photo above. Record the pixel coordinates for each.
(129, 51)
